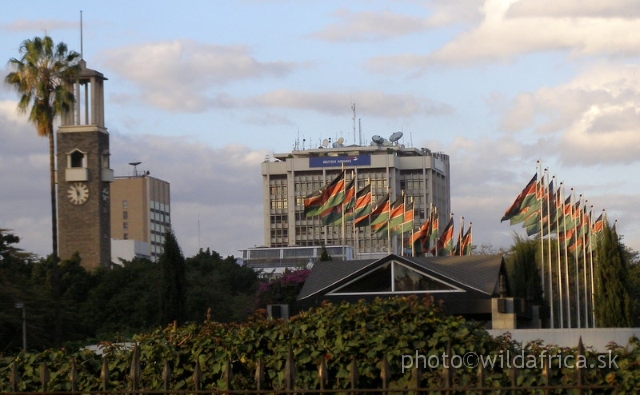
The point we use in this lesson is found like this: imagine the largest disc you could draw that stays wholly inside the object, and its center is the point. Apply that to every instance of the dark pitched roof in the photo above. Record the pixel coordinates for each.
(479, 272)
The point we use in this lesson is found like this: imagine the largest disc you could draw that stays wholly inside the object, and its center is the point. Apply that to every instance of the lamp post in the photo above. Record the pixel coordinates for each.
(20, 305)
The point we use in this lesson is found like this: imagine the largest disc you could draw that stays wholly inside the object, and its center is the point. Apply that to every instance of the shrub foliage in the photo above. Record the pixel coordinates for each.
(367, 333)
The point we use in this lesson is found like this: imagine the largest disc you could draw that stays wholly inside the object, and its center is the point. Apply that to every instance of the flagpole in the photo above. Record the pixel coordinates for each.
(539, 170)
(566, 260)
(460, 235)
(388, 230)
(344, 193)
(593, 311)
(584, 266)
(470, 237)
(593, 305)
(575, 236)
(545, 197)
(559, 263)
(353, 216)
(437, 235)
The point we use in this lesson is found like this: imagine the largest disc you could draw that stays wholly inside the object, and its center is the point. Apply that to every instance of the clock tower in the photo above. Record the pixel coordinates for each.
(84, 175)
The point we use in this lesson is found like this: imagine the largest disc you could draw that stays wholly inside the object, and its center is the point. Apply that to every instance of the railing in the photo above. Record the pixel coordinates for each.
(446, 380)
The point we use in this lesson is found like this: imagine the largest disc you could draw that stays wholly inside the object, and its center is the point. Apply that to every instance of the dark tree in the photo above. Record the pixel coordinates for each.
(124, 300)
(173, 281)
(523, 270)
(219, 288)
(612, 302)
(324, 255)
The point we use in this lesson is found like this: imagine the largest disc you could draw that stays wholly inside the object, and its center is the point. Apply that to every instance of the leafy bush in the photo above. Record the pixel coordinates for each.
(367, 333)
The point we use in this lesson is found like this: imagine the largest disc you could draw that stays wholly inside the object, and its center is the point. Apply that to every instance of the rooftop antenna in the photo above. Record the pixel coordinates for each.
(135, 168)
(81, 47)
(353, 108)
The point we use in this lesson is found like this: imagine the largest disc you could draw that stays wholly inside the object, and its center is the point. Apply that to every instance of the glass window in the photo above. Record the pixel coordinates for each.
(378, 280)
(404, 278)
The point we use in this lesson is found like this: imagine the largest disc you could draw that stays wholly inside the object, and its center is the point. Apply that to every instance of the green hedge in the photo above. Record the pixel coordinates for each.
(337, 334)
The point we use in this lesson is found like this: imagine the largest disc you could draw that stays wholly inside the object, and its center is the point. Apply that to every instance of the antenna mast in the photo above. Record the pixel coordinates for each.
(353, 108)
(81, 48)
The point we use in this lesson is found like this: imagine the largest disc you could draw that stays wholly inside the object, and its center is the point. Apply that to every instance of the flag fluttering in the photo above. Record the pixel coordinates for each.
(324, 198)
(523, 203)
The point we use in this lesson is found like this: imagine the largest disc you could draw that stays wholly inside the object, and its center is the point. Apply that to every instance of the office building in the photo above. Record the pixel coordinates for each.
(140, 211)
(422, 175)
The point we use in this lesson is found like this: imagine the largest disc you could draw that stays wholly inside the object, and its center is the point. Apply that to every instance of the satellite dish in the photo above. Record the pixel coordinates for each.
(340, 142)
(335, 145)
(377, 139)
(325, 143)
(134, 163)
(395, 137)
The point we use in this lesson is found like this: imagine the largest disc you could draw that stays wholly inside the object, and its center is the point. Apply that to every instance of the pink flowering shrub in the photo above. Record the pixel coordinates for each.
(283, 290)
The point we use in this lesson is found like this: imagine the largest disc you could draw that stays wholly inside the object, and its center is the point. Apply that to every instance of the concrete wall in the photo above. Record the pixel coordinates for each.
(598, 338)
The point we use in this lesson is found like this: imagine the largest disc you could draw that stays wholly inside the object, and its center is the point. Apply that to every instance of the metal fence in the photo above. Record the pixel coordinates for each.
(447, 380)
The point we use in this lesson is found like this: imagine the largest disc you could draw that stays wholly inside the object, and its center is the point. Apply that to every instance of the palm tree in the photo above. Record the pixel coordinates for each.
(43, 77)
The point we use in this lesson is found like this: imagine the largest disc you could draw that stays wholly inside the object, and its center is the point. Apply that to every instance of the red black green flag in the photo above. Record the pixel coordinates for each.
(318, 201)
(523, 200)
(378, 215)
(407, 224)
(435, 227)
(333, 215)
(420, 239)
(395, 216)
(445, 241)
(362, 205)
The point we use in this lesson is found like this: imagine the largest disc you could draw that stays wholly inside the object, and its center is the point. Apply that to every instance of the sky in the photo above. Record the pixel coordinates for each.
(202, 92)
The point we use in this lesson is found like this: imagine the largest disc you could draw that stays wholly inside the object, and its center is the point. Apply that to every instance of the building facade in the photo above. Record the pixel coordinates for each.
(141, 211)
(273, 262)
(84, 175)
(422, 175)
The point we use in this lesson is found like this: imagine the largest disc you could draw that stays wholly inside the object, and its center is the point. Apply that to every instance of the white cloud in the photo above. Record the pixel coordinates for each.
(46, 25)
(369, 26)
(379, 25)
(594, 117)
(510, 29)
(180, 75)
(378, 104)
(574, 8)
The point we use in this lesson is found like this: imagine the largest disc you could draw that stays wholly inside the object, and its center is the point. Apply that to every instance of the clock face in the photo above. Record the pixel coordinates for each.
(78, 193)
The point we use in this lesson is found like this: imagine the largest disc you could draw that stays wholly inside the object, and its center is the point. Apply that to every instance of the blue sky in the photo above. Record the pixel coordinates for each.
(203, 92)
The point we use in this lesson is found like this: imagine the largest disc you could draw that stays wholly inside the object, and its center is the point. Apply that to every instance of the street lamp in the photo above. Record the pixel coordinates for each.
(20, 305)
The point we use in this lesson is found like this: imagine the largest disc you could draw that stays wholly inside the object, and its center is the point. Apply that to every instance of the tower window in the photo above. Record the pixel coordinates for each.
(77, 159)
